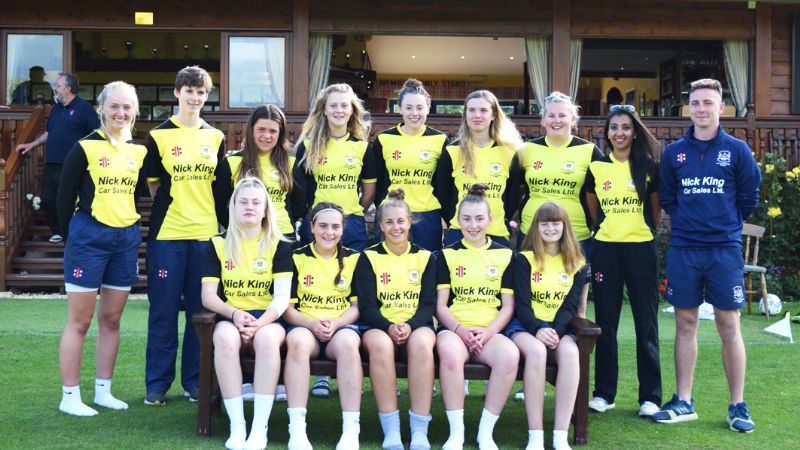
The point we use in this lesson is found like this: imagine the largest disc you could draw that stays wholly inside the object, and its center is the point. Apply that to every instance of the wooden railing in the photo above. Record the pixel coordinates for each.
(19, 176)
(763, 135)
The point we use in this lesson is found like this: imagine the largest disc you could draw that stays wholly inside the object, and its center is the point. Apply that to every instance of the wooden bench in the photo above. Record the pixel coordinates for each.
(209, 401)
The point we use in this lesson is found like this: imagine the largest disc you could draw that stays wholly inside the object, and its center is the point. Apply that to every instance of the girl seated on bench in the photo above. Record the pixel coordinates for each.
(549, 274)
(252, 252)
(475, 303)
(321, 321)
(396, 285)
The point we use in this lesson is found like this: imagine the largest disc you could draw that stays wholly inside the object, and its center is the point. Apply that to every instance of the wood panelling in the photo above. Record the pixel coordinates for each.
(443, 17)
(560, 55)
(298, 73)
(115, 14)
(781, 82)
(762, 70)
(679, 19)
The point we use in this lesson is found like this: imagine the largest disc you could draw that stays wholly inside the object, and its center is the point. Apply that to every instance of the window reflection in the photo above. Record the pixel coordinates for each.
(33, 63)
(257, 68)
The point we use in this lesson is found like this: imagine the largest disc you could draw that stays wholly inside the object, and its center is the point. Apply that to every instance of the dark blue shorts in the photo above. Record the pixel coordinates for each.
(359, 328)
(713, 274)
(513, 328)
(257, 313)
(97, 254)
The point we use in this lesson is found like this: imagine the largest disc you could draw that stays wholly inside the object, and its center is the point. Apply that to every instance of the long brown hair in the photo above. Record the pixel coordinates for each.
(501, 130)
(568, 246)
(279, 156)
(645, 150)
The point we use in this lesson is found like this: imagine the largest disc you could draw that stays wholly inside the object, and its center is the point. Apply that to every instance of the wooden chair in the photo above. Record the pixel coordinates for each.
(753, 234)
(209, 400)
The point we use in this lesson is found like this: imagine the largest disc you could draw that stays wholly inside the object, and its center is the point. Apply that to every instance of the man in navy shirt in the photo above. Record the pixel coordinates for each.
(708, 184)
(71, 119)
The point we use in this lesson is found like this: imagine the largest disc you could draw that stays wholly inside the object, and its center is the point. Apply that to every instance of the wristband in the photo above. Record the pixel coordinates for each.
(233, 314)
(456, 330)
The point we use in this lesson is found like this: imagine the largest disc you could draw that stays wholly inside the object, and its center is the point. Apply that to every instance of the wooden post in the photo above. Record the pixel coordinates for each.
(298, 98)
(763, 62)
(560, 48)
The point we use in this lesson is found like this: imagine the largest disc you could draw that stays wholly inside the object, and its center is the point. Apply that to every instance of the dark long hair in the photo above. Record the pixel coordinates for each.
(279, 156)
(322, 206)
(645, 151)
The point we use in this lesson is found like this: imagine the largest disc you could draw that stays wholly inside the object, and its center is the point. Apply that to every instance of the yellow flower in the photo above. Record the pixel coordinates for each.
(790, 174)
(774, 211)
(796, 170)
(769, 168)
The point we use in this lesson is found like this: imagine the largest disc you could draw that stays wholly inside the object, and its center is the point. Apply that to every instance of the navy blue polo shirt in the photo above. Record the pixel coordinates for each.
(66, 126)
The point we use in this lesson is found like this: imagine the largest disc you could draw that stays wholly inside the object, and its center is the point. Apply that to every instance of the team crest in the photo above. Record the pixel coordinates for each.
(681, 157)
(260, 265)
(425, 156)
(205, 152)
(343, 284)
(275, 175)
(349, 161)
(494, 169)
(564, 279)
(131, 165)
(492, 272)
(738, 294)
(724, 158)
(413, 276)
(568, 166)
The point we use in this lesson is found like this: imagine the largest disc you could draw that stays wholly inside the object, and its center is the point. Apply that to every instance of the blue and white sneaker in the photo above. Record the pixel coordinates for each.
(739, 418)
(676, 411)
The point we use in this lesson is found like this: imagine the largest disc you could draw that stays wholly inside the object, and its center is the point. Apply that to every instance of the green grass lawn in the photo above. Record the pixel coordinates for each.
(29, 416)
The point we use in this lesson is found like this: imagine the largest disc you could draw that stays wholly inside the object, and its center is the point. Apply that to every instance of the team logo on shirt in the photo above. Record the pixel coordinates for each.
(631, 185)
(492, 272)
(536, 277)
(724, 158)
(537, 165)
(176, 151)
(606, 185)
(425, 156)
(260, 265)
(205, 152)
(494, 169)
(396, 154)
(738, 294)
(413, 276)
(229, 265)
(569, 166)
(343, 284)
(322, 161)
(461, 271)
(564, 279)
(349, 161)
(131, 165)
(275, 175)
(681, 157)
(104, 162)
(308, 280)
(385, 278)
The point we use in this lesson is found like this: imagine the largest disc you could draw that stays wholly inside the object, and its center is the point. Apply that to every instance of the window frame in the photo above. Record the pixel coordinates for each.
(224, 69)
(66, 37)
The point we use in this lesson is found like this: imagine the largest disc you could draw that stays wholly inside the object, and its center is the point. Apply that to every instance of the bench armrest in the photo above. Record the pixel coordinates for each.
(584, 327)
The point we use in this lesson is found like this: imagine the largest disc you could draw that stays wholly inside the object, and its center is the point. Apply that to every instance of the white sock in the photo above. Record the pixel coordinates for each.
(351, 427)
(71, 402)
(103, 397)
(390, 422)
(560, 440)
(535, 440)
(485, 430)
(456, 420)
(262, 408)
(419, 431)
(235, 409)
(298, 440)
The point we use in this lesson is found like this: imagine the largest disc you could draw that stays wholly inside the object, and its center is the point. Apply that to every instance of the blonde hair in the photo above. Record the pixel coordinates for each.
(560, 97)
(103, 96)
(235, 235)
(501, 130)
(315, 128)
(568, 246)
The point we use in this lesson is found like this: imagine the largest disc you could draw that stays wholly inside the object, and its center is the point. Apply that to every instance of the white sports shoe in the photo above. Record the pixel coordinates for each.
(648, 409)
(599, 404)
(280, 393)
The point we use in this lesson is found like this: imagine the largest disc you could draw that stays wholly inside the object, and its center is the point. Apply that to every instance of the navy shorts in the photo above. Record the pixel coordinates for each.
(513, 328)
(357, 327)
(257, 313)
(97, 254)
(713, 274)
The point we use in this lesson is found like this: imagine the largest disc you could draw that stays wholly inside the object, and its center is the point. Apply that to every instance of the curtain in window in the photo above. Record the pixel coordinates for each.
(575, 50)
(276, 66)
(736, 65)
(537, 50)
(321, 48)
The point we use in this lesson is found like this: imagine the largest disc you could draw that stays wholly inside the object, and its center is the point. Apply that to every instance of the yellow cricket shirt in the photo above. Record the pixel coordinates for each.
(313, 290)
